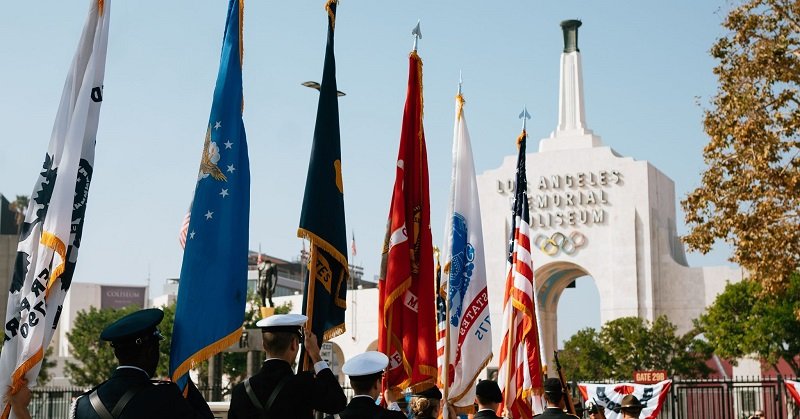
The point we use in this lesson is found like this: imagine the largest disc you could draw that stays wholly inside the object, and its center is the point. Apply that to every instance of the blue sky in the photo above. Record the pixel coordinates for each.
(647, 78)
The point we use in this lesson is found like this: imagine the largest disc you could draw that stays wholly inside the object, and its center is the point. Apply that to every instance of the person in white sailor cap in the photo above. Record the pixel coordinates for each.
(275, 391)
(366, 372)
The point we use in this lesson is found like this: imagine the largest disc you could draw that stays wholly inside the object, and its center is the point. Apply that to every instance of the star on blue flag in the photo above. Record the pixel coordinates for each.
(213, 282)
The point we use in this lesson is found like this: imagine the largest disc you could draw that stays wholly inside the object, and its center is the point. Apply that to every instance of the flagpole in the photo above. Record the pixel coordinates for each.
(417, 34)
(446, 367)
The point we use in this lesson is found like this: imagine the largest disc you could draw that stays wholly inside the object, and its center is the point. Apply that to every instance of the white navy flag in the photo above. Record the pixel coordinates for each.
(51, 233)
(468, 338)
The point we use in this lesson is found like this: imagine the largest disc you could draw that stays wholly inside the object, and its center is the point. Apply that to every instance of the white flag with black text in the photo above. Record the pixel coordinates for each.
(51, 233)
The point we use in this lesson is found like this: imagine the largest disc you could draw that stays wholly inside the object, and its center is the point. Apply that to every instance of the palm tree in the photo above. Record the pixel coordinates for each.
(19, 206)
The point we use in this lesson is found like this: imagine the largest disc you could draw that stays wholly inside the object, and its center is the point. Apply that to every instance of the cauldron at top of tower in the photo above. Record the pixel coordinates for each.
(570, 29)
(571, 131)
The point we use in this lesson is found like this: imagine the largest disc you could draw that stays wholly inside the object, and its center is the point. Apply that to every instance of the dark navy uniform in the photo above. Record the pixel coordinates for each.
(300, 395)
(364, 407)
(486, 414)
(554, 413)
(130, 393)
(152, 400)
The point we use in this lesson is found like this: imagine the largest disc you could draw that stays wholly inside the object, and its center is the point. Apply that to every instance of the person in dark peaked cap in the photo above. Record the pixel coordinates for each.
(489, 398)
(276, 391)
(366, 372)
(130, 393)
(553, 396)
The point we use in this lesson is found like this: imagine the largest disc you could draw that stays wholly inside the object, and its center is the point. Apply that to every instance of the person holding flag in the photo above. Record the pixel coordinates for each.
(468, 332)
(214, 269)
(322, 219)
(52, 229)
(406, 331)
(520, 369)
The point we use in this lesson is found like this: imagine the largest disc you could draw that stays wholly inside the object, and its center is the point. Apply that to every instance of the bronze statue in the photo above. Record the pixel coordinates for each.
(267, 281)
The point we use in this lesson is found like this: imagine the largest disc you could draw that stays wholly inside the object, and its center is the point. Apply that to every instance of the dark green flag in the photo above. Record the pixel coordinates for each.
(322, 219)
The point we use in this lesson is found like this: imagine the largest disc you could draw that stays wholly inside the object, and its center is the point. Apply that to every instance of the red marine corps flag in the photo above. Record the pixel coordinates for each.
(520, 373)
(406, 331)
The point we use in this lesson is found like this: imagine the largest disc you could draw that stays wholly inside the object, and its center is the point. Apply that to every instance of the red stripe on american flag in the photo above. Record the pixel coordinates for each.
(520, 363)
(184, 229)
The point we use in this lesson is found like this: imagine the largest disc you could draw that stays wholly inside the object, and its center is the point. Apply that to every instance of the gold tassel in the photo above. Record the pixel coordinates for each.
(520, 138)
(461, 101)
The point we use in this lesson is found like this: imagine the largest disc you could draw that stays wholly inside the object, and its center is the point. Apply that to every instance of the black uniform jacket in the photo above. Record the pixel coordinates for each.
(486, 414)
(554, 413)
(364, 407)
(299, 396)
(156, 400)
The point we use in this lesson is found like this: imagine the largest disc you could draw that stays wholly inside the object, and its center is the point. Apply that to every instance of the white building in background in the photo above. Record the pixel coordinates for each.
(594, 213)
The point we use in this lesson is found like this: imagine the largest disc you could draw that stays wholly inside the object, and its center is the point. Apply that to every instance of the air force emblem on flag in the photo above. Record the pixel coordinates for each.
(210, 158)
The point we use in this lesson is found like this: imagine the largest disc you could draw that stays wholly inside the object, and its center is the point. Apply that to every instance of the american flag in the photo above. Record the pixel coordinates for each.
(441, 321)
(353, 246)
(184, 231)
(520, 374)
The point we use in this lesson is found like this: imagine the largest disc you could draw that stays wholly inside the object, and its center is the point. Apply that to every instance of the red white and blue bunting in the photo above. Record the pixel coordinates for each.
(793, 387)
(652, 396)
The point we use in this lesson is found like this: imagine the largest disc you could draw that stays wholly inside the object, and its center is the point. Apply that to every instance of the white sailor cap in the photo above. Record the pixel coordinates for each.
(368, 363)
(290, 323)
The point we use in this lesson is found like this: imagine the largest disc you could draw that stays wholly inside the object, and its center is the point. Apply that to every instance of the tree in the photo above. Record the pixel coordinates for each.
(47, 364)
(744, 321)
(628, 344)
(87, 348)
(750, 191)
(95, 358)
(584, 357)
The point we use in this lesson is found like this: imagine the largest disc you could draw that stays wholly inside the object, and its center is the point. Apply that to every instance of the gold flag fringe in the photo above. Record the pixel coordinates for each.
(331, 16)
(461, 101)
(461, 395)
(520, 138)
(205, 353)
(320, 242)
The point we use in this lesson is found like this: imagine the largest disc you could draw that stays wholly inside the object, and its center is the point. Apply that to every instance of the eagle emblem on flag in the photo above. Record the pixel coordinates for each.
(209, 160)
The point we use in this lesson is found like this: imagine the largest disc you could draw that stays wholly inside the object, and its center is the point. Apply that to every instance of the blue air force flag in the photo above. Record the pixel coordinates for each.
(468, 346)
(51, 233)
(213, 282)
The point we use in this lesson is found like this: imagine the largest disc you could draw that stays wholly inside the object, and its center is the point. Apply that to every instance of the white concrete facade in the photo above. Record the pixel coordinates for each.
(593, 213)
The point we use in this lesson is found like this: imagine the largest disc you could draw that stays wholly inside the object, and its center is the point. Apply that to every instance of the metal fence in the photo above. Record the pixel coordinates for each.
(688, 399)
(53, 402)
(735, 398)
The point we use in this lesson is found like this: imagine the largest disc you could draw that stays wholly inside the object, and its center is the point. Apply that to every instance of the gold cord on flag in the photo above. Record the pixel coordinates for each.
(100, 4)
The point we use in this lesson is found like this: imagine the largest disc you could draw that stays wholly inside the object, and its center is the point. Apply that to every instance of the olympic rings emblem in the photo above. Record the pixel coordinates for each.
(560, 242)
